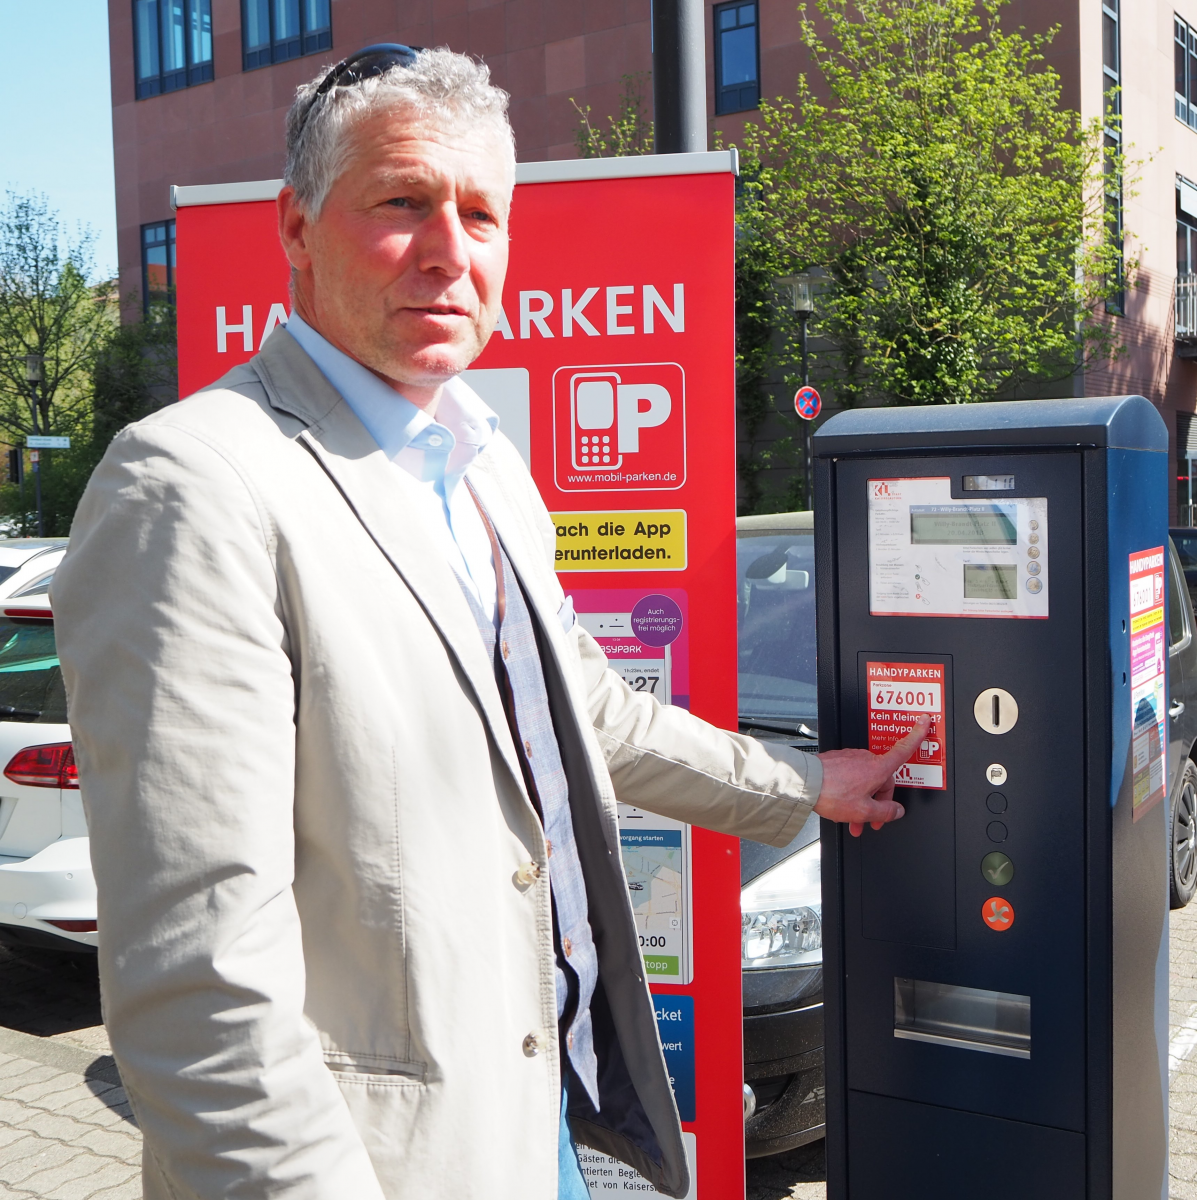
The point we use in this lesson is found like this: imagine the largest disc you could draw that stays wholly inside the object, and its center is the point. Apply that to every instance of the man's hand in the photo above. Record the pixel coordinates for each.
(858, 787)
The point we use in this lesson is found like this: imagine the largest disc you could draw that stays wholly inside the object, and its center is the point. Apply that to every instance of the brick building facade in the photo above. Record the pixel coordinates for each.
(200, 89)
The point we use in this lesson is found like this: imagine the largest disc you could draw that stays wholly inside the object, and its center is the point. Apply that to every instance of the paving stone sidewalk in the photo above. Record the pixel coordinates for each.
(1182, 1060)
(66, 1129)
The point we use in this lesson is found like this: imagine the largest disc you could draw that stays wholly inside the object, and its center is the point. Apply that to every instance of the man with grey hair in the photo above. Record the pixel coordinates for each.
(349, 763)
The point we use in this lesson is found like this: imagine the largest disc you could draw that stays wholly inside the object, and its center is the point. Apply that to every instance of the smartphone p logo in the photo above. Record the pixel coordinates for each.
(605, 415)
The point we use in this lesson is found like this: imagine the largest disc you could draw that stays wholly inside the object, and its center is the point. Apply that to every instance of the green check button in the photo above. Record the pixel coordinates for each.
(997, 868)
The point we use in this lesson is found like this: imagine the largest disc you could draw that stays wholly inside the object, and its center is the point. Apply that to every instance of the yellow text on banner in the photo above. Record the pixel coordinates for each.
(621, 541)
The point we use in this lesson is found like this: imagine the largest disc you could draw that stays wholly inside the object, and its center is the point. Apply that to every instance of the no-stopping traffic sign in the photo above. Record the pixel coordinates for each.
(807, 403)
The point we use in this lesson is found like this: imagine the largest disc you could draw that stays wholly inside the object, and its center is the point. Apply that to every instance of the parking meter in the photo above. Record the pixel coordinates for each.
(996, 962)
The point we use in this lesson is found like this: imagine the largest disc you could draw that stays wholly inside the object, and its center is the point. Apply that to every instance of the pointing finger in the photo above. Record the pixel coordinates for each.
(902, 751)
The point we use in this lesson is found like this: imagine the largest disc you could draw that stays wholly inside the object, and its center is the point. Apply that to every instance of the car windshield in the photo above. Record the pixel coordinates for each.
(1186, 546)
(775, 605)
(30, 678)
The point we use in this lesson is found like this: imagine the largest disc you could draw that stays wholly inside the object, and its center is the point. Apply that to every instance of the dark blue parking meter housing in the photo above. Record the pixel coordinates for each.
(996, 963)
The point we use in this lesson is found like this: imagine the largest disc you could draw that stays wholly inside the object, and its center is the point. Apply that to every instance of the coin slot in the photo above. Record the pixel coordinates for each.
(996, 711)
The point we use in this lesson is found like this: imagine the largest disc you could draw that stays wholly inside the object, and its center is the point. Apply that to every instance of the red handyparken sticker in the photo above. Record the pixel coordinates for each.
(900, 693)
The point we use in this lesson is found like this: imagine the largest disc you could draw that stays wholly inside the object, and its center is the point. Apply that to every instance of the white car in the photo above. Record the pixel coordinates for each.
(26, 565)
(47, 890)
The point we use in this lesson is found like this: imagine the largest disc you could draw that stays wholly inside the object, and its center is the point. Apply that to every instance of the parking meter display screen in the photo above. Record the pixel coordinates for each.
(990, 581)
(931, 555)
(961, 525)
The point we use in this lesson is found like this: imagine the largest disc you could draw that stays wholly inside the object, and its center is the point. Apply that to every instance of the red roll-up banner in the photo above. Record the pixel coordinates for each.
(613, 371)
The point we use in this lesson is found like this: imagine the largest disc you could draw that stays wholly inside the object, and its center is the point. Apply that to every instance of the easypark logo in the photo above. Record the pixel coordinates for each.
(620, 427)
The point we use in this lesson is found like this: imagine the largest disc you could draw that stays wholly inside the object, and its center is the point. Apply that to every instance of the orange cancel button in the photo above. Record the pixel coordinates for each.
(997, 913)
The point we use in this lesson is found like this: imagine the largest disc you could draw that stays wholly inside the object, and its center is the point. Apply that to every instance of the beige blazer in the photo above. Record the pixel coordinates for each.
(322, 975)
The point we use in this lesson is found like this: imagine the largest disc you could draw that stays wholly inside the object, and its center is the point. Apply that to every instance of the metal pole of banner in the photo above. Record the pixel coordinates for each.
(679, 76)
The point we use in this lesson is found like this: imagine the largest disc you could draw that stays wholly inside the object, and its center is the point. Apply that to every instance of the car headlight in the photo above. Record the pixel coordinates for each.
(781, 914)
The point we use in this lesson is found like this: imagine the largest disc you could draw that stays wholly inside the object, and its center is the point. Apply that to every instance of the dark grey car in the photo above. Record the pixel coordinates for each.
(780, 899)
(1182, 730)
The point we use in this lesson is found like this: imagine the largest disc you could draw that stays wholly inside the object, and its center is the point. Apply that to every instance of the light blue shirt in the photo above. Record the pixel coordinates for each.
(437, 453)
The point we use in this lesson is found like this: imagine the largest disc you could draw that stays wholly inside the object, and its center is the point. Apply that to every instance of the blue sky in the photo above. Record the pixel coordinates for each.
(57, 130)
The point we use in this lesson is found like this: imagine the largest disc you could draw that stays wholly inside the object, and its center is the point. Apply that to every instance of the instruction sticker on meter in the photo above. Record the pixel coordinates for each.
(934, 556)
(900, 693)
(1148, 665)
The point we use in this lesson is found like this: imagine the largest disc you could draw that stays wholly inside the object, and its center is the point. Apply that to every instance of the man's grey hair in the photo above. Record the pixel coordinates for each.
(440, 88)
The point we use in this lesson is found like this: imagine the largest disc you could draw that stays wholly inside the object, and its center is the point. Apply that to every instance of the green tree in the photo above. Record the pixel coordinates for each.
(53, 320)
(130, 375)
(954, 208)
(629, 133)
(67, 365)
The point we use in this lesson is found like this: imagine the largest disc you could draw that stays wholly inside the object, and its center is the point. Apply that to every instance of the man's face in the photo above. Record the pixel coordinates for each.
(403, 269)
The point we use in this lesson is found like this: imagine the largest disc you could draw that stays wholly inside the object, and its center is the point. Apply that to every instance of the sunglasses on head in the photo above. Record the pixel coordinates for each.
(372, 60)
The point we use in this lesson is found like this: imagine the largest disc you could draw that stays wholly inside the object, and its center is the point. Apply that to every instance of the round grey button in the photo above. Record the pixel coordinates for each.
(996, 831)
(435, 439)
(1032, 552)
(531, 1046)
(1033, 568)
(996, 802)
(1034, 585)
(997, 868)
(995, 773)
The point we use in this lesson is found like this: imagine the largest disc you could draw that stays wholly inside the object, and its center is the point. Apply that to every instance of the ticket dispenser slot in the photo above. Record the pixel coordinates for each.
(973, 566)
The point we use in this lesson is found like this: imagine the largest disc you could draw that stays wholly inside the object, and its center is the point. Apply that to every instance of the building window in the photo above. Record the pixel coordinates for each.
(737, 58)
(275, 30)
(1184, 47)
(157, 262)
(1186, 238)
(1111, 69)
(1186, 261)
(1186, 469)
(172, 44)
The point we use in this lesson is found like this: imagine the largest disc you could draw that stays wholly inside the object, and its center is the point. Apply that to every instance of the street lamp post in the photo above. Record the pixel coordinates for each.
(803, 305)
(679, 76)
(33, 376)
